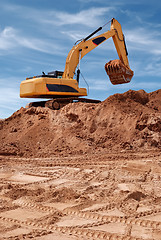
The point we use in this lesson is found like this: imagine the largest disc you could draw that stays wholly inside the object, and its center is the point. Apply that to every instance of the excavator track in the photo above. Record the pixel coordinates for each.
(58, 103)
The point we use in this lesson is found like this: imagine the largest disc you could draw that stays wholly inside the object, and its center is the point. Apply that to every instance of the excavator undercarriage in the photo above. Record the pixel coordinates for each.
(57, 103)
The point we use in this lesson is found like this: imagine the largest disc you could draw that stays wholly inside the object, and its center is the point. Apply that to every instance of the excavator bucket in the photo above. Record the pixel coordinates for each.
(118, 72)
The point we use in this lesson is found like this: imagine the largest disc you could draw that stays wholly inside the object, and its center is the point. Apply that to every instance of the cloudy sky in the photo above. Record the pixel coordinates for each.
(36, 36)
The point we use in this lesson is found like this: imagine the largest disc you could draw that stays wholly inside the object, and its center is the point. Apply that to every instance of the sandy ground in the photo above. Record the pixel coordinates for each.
(91, 196)
(86, 171)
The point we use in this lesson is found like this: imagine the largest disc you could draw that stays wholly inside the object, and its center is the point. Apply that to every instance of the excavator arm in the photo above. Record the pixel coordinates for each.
(118, 70)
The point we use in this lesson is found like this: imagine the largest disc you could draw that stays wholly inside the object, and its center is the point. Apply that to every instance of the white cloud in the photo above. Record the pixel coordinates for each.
(7, 38)
(74, 35)
(144, 40)
(89, 17)
(152, 68)
(11, 39)
(42, 45)
(105, 85)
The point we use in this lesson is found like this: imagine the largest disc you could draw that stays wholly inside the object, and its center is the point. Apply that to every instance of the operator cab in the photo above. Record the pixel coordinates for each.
(53, 74)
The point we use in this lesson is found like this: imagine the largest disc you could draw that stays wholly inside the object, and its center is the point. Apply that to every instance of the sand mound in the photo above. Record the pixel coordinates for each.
(131, 120)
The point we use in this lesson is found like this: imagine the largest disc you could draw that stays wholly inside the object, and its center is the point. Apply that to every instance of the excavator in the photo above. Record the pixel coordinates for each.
(61, 88)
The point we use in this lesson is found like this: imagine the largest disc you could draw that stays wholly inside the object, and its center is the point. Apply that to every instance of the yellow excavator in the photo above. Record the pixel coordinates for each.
(62, 88)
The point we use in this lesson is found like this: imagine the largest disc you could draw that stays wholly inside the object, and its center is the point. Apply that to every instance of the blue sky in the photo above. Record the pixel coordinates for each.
(36, 36)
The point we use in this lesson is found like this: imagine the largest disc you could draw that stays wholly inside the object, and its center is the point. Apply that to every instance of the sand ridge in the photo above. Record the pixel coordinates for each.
(130, 120)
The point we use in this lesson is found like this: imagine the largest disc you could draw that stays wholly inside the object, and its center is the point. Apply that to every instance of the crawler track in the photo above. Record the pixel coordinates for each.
(57, 103)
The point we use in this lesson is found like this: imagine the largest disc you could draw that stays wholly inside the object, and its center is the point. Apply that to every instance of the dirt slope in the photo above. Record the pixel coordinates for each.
(131, 120)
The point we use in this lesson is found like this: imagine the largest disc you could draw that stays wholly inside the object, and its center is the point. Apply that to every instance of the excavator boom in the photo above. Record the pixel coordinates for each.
(118, 70)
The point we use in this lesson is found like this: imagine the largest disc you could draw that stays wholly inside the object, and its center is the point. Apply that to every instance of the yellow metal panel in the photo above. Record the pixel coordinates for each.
(36, 88)
(40, 85)
(26, 89)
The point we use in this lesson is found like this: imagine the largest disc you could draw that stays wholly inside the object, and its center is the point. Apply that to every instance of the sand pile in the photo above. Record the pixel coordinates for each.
(131, 120)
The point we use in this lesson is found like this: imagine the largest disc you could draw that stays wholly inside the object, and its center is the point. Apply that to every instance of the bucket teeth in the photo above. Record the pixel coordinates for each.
(118, 72)
(113, 69)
